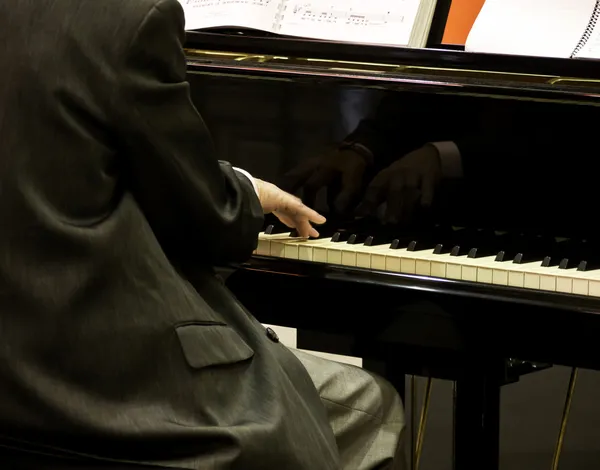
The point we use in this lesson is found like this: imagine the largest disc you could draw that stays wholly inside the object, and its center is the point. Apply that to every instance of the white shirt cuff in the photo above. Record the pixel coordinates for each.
(450, 159)
(249, 176)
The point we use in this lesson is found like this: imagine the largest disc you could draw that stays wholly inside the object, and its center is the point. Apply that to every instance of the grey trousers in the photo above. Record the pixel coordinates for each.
(365, 412)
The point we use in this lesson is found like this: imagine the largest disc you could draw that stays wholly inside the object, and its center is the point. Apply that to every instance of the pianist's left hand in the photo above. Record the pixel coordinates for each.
(288, 208)
(404, 185)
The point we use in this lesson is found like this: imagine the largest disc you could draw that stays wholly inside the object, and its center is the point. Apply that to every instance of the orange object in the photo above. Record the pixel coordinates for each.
(461, 17)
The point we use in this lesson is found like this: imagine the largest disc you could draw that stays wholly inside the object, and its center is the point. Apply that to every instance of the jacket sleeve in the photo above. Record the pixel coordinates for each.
(200, 208)
(402, 122)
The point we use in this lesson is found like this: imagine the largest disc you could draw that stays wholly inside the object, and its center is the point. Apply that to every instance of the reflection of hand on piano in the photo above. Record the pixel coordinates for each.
(345, 165)
(404, 185)
(287, 208)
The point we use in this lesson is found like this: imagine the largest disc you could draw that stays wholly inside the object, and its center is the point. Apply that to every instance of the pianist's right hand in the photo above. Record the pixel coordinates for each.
(345, 166)
(288, 208)
(408, 183)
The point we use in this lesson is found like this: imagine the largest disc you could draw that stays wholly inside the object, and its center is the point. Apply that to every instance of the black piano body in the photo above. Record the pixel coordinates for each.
(529, 155)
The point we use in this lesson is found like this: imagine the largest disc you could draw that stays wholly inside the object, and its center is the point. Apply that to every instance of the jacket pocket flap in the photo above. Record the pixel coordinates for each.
(207, 345)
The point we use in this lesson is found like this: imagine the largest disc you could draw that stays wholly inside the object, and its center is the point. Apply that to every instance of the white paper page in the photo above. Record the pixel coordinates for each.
(591, 50)
(256, 14)
(366, 21)
(550, 28)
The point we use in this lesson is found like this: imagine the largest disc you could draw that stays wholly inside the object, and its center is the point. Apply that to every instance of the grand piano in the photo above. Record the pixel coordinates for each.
(498, 278)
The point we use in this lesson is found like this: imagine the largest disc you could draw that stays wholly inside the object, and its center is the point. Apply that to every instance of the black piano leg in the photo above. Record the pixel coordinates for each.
(477, 419)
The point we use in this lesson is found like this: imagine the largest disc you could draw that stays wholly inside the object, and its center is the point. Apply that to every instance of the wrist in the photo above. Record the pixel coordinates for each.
(359, 149)
(261, 191)
(250, 178)
(450, 159)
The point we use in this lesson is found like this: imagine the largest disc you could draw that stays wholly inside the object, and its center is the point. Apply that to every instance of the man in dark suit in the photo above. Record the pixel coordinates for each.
(118, 344)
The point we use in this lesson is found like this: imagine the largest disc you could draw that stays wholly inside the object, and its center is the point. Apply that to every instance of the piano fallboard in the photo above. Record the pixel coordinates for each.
(551, 301)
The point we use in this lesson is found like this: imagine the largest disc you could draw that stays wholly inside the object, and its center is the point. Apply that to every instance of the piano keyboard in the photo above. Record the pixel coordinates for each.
(547, 273)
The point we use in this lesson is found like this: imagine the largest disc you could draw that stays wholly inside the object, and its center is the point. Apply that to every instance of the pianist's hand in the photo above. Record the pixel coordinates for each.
(344, 166)
(404, 185)
(288, 208)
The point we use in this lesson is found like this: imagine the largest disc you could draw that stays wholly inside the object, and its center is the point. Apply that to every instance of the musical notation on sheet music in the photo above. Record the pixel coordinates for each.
(213, 3)
(331, 19)
(307, 12)
(257, 14)
(217, 3)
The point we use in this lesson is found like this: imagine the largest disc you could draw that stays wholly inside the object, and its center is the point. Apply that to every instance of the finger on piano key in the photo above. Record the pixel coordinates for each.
(264, 242)
(304, 250)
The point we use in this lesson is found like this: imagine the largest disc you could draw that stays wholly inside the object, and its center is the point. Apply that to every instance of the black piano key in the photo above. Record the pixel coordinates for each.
(575, 252)
(534, 249)
(556, 254)
(588, 265)
(357, 239)
(274, 229)
(330, 228)
(406, 240)
(489, 243)
(459, 250)
(447, 239)
(379, 239)
(326, 231)
(590, 257)
(377, 234)
(567, 263)
(467, 239)
(270, 219)
(421, 244)
(341, 236)
(441, 249)
(512, 245)
(361, 227)
(488, 246)
(399, 243)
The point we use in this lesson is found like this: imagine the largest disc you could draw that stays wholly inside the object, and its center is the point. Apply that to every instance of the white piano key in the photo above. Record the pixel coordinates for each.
(435, 264)
(425, 263)
(479, 269)
(429, 264)
(586, 283)
(301, 248)
(360, 256)
(516, 272)
(264, 242)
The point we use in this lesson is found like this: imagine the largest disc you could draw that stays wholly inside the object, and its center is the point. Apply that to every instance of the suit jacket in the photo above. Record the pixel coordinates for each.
(110, 190)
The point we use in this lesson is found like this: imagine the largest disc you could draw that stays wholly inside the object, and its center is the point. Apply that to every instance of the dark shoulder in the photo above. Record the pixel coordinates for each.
(114, 25)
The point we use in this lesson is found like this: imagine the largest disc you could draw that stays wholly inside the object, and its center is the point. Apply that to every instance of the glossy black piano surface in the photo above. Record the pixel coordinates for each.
(525, 128)
(528, 194)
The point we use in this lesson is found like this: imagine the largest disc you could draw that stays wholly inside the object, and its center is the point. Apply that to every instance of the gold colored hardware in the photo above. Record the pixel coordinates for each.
(565, 419)
(423, 422)
(413, 409)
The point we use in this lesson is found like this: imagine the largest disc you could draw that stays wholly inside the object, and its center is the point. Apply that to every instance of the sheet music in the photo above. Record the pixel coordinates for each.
(257, 14)
(366, 21)
(550, 28)
(592, 48)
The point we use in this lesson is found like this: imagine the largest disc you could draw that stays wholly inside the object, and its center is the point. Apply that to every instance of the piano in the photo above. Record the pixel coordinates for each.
(499, 277)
